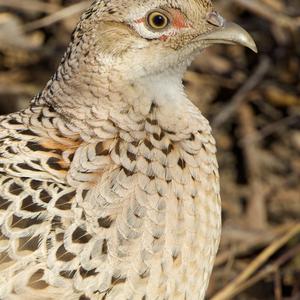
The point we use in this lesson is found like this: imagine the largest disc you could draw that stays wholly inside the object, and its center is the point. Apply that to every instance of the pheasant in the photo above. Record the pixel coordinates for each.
(109, 185)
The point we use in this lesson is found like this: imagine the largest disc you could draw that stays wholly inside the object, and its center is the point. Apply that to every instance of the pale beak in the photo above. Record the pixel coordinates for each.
(227, 33)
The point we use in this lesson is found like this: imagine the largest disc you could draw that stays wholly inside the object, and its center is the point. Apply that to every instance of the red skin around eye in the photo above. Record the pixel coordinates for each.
(179, 22)
(164, 37)
(139, 21)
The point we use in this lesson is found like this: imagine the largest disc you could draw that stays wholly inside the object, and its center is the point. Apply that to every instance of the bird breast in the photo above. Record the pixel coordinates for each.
(157, 200)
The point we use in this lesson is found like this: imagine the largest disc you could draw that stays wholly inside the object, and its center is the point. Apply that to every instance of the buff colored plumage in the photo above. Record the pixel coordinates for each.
(109, 185)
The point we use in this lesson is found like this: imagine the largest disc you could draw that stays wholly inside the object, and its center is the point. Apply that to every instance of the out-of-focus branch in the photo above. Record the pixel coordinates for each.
(242, 93)
(269, 13)
(30, 5)
(234, 287)
(57, 16)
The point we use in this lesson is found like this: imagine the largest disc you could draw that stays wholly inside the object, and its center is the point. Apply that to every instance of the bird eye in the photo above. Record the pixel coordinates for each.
(157, 20)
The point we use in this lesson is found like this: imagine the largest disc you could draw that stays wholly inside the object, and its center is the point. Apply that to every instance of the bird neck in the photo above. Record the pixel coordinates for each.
(89, 98)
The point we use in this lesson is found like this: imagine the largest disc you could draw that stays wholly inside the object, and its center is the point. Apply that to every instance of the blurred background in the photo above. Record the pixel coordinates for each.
(253, 103)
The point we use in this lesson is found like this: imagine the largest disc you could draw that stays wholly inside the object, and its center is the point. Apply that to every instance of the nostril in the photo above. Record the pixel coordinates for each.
(214, 18)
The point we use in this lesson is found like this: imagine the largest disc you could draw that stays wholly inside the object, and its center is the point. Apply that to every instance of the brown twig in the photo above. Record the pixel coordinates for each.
(30, 5)
(269, 270)
(270, 14)
(269, 129)
(242, 93)
(256, 206)
(235, 286)
(277, 286)
(56, 16)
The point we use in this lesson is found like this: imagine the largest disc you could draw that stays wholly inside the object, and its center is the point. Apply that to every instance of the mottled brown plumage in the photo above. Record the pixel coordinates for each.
(109, 185)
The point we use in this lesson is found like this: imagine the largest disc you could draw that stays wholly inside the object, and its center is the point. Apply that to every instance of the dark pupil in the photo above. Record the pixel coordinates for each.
(159, 21)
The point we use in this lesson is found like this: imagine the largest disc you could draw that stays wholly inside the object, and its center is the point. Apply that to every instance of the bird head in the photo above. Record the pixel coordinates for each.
(146, 37)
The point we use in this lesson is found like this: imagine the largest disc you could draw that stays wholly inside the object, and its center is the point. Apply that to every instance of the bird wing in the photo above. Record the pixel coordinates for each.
(58, 199)
(35, 199)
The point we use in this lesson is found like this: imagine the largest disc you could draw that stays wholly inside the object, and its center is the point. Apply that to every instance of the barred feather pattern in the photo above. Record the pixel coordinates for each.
(121, 214)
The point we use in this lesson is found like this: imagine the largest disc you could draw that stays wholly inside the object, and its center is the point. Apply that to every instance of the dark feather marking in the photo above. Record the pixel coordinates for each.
(15, 189)
(117, 280)
(4, 204)
(87, 273)
(36, 281)
(68, 274)
(105, 222)
(23, 223)
(63, 255)
(45, 196)
(63, 203)
(80, 236)
(104, 247)
(29, 205)
(29, 243)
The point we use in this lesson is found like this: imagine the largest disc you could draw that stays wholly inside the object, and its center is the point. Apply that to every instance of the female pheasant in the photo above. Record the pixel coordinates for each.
(109, 185)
